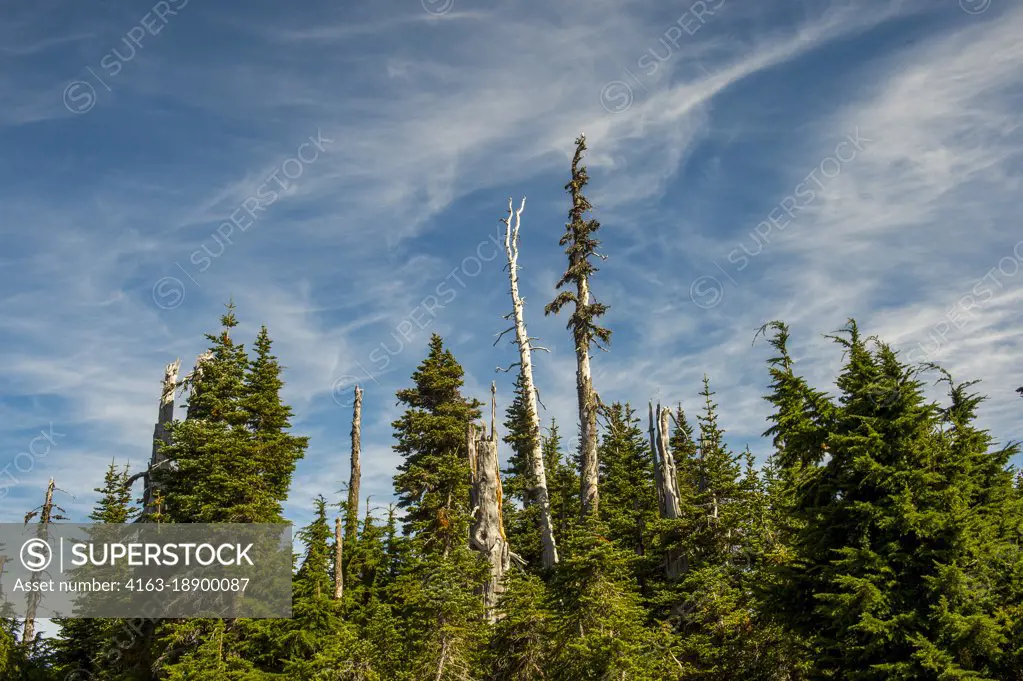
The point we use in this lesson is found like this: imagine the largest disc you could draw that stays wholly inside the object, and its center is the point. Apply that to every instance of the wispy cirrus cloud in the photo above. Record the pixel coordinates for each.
(437, 118)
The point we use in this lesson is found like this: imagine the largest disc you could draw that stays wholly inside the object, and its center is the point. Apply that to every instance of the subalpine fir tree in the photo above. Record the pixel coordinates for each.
(683, 445)
(563, 483)
(15, 662)
(717, 537)
(232, 459)
(205, 479)
(801, 421)
(520, 517)
(523, 639)
(518, 435)
(11, 662)
(275, 451)
(432, 483)
(317, 642)
(718, 481)
(367, 606)
(366, 564)
(984, 530)
(600, 625)
(435, 591)
(79, 647)
(628, 491)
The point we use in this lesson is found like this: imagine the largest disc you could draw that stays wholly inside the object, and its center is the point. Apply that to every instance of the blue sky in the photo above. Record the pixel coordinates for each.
(806, 161)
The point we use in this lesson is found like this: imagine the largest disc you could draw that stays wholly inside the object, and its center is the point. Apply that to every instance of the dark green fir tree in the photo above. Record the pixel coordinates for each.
(435, 592)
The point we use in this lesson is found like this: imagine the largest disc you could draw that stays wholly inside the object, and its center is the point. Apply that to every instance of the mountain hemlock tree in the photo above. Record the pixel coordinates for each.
(581, 247)
(537, 475)
(893, 579)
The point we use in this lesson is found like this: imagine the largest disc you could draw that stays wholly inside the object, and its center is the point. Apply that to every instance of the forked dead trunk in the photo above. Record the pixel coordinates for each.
(538, 493)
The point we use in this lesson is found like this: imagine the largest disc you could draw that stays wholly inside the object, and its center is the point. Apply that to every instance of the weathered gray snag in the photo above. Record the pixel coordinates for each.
(161, 436)
(538, 493)
(664, 463)
(666, 479)
(47, 513)
(339, 580)
(487, 533)
(354, 481)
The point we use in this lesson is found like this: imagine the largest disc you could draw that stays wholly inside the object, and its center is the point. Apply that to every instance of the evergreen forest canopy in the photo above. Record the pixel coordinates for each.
(881, 539)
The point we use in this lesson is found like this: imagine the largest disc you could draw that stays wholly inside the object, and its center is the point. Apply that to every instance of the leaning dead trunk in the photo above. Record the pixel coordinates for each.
(354, 481)
(161, 436)
(487, 534)
(538, 493)
(666, 479)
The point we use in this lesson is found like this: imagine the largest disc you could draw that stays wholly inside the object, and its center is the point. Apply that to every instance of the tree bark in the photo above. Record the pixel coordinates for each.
(487, 533)
(355, 480)
(587, 397)
(538, 493)
(161, 436)
(666, 478)
(339, 580)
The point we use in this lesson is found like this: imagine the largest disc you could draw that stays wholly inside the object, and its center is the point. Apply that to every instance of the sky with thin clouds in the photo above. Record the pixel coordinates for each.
(339, 171)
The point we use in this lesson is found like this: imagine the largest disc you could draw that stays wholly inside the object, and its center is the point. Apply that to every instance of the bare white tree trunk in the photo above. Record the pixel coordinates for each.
(161, 436)
(352, 521)
(666, 478)
(487, 533)
(538, 493)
